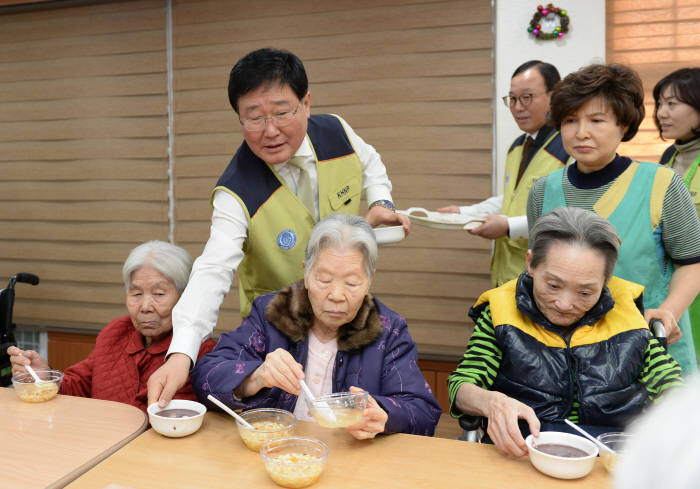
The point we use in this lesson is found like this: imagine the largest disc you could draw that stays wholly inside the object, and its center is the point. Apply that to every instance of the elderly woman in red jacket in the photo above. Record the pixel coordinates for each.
(130, 348)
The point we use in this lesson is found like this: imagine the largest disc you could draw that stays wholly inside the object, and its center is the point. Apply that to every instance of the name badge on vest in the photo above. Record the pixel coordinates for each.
(345, 193)
(507, 178)
(286, 239)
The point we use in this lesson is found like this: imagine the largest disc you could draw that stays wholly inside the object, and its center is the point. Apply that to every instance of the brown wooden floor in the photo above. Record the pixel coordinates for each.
(448, 427)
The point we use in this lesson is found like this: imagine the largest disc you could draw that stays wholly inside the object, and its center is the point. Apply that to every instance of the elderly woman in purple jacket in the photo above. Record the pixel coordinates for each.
(330, 332)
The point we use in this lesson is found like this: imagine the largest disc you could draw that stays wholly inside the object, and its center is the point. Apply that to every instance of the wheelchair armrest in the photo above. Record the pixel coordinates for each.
(470, 423)
(658, 331)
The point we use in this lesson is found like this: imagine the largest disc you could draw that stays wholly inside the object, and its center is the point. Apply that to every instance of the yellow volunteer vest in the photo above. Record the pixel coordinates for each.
(279, 224)
(509, 254)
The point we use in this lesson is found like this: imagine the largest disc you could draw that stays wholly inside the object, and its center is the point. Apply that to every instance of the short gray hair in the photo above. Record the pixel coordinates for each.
(170, 260)
(342, 231)
(575, 226)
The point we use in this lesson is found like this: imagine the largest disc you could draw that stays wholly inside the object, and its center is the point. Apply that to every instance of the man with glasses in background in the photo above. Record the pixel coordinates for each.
(292, 170)
(537, 152)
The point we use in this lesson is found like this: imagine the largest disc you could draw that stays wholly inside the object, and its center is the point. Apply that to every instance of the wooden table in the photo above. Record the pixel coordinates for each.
(215, 457)
(51, 443)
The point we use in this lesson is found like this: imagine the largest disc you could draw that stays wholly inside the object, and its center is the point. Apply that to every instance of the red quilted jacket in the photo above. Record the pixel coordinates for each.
(119, 366)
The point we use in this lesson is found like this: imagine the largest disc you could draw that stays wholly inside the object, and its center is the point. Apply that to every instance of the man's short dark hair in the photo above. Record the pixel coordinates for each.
(617, 85)
(548, 71)
(263, 67)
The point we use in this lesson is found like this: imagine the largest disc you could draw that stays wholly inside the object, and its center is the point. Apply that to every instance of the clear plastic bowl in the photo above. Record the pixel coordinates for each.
(294, 462)
(269, 424)
(346, 409)
(29, 391)
(616, 441)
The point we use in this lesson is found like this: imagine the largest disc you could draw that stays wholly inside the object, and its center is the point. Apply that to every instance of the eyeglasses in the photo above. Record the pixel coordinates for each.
(280, 119)
(525, 99)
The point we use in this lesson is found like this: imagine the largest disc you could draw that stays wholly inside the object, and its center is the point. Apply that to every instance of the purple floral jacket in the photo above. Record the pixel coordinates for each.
(386, 366)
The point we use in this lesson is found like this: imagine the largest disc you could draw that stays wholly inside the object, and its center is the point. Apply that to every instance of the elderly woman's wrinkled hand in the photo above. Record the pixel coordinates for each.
(278, 370)
(673, 331)
(503, 415)
(21, 358)
(373, 421)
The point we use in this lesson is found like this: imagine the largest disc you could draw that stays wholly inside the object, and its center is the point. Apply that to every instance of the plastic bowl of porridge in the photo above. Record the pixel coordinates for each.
(294, 462)
(29, 391)
(561, 455)
(338, 410)
(615, 441)
(268, 423)
(179, 418)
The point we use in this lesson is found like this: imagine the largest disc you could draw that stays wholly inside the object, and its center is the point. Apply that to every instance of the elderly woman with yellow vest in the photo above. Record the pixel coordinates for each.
(291, 170)
(677, 115)
(649, 205)
(564, 341)
(532, 155)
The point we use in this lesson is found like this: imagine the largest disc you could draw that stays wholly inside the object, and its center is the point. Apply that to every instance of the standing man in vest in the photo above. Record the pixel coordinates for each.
(536, 153)
(292, 170)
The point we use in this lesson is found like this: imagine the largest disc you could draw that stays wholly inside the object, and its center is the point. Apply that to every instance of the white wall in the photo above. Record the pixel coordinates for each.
(582, 45)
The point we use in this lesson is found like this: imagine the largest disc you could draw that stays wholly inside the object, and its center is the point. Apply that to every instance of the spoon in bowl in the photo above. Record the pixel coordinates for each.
(31, 371)
(590, 437)
(322, 408)
(231, 412)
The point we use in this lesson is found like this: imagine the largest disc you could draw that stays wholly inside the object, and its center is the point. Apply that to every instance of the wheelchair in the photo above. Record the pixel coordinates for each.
(474, 427)
(7, 327)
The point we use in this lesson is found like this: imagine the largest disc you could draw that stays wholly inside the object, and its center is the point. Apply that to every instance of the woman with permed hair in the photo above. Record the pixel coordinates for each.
(677, 115)
(596, 108)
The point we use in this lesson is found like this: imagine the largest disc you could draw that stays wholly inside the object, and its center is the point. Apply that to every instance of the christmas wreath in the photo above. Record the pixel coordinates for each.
(550, 17)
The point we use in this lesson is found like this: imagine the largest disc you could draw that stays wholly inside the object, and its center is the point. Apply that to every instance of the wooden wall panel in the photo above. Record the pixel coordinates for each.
(655, 37)
(412, 78)
(83, 153)
(84, 138)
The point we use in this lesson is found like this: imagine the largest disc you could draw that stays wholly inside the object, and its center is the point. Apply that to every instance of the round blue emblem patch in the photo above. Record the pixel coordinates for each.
(286, 239)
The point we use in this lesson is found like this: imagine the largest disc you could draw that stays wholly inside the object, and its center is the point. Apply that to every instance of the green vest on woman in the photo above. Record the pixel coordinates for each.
(692, 181)
(508, 260)
(279, 224)
(633, 204)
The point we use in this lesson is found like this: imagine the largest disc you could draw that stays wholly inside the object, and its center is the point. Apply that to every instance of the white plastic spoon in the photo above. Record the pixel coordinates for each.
(230, 411)
(322, 408)
(31, 371)
(590, 437)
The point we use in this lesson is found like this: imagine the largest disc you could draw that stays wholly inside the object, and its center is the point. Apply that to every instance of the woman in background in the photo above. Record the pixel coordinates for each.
(677, 115)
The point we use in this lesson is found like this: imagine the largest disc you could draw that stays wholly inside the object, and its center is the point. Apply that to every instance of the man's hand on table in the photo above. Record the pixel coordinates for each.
(168, 379)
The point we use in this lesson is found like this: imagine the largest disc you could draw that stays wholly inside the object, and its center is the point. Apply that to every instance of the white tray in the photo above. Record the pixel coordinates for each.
(439, 220)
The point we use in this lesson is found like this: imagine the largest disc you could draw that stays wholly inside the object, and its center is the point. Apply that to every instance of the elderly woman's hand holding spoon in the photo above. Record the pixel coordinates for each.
(278, 370)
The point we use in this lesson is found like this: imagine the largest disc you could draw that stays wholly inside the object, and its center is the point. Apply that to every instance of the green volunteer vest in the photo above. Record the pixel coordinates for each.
(279, 224)
(633, 204)
(692, 181)
(508, 260)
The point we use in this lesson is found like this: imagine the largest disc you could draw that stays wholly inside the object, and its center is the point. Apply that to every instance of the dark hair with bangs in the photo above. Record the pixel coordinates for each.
(685, 85)
(266, 66)
(618, 85)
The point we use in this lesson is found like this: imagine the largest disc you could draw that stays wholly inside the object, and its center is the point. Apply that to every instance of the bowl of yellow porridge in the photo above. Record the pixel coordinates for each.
(30, 391)
(294, 462)
(268, 424)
